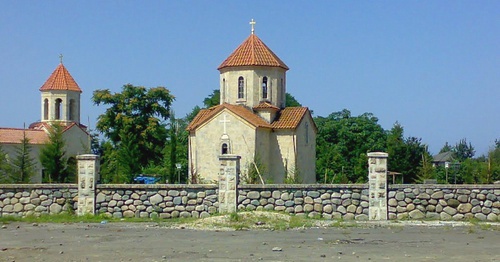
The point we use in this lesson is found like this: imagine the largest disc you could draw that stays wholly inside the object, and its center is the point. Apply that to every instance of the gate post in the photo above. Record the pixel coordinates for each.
(377, 181)
(228, 183)
(88, 169)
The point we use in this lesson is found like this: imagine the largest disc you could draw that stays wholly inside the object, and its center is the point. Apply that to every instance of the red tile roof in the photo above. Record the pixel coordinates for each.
(266, 105)
(241, 111)
(289, 117)
(60, 79)
(15, 135)
(253, 52)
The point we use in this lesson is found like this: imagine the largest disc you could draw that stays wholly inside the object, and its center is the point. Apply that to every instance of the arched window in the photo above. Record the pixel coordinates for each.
(72, 109)
(58, 108)
(241, 87)
(223, 91)
(45, 109)
(264, 87)
(225, 149)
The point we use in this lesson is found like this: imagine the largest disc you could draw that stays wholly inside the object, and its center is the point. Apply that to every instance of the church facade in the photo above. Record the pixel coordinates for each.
(60, 104)
(275, 142)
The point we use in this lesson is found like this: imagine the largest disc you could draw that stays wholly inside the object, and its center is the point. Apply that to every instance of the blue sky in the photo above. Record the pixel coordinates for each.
(433, 66)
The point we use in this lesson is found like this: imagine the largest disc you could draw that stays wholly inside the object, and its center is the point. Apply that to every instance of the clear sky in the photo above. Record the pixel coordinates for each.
(433, 66)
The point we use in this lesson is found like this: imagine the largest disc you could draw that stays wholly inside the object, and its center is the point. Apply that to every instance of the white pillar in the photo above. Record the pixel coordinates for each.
(88, 170)
(228, 183)
(377, 181)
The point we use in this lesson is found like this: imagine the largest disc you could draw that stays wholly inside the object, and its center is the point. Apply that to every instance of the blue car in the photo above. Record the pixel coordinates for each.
(146, 179)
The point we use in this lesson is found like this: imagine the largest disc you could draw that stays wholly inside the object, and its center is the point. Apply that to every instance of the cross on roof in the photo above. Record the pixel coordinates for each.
(224, 122)
(252, 23)
(60, 58)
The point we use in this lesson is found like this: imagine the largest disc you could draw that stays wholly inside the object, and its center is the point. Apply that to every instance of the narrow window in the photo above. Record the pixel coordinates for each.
(241, 87)
(307, 133)
(283, 95)
(224, 149)
(223, 91)
(264, 87)
(72, 110)
(45, 109)
(58, 109)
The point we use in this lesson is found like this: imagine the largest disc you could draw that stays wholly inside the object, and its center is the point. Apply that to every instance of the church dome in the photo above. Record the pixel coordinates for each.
(253, 52)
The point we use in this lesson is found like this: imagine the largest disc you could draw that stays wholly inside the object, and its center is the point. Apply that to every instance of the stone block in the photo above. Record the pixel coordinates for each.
(279, 208)
(464, 208)
(298, 209)
(341, 209)
(348, 216)
(313, 194)
(265, 194)
(492, 217)
(463, 198)
(488, 203)
(402, 216)
(308, 200)
(308, 208)
(318, 207)
(445, 216)
(253, 195)
(486, 210)
(437, 195)
(450, 211)
(361, 217)
(276, 194)
(480, 216)
(458, 217)
(432, 215)
(400, 196)
(285, 196)
(453, 203)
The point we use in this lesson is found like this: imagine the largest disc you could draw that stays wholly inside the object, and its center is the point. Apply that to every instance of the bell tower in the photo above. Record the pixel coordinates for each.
(253, 74)
(60, 97)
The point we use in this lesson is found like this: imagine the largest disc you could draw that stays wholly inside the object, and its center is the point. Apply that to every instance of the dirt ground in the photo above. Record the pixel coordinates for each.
(151, 242)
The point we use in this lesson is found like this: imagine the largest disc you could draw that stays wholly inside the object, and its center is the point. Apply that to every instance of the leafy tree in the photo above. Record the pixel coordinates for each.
(291, 101)
(5, 168)
(53, 156)
(343, 142)
(213, 99)
(134, 124)
(463, 150)
(446, 148)
(23, 165)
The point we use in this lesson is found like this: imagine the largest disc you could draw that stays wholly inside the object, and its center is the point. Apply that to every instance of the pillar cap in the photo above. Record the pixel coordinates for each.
(87, 157)
(229, 157)
(378, 154)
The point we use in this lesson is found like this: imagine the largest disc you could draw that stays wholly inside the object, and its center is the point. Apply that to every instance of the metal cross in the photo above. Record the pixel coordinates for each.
(60, 57)
(224, 122)
(252, 23)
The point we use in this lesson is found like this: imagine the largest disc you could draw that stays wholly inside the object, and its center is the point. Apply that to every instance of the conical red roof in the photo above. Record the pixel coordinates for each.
(60, 79)
(253, 52)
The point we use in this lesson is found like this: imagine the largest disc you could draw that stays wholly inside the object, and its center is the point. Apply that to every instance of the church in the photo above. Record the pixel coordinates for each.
(251, 121)
(60, 103)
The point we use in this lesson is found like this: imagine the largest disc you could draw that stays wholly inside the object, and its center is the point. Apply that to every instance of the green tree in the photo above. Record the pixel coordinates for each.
(463, 150)
(5, 169)
(291, 101)
(342, 143)
(213, 99)
(53, 156)
(23, 165)
(446, 148)
(134, 124)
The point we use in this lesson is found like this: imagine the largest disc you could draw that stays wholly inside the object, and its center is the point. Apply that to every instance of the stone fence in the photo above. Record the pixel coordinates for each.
(412, 201)
(373, 201)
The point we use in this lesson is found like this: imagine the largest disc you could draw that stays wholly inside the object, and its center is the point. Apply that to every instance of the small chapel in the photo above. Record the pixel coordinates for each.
(60, 103)
(252, 122)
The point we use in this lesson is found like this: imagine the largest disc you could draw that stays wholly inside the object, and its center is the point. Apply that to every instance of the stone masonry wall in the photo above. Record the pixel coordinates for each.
(164, 201)
(444, 202)
(441, 202)
(328, 201)
(36, 199)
